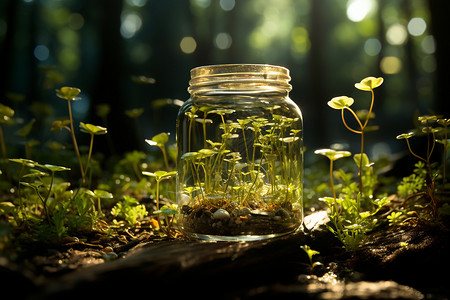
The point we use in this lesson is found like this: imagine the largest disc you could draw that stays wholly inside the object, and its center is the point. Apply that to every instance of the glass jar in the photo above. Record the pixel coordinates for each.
(240, 154)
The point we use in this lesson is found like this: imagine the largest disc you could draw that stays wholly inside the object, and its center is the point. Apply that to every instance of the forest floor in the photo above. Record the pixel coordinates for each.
(406, 262)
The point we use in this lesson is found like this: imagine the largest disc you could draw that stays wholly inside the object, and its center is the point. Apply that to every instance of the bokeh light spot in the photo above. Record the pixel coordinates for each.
(390, 65)
(357, 10)
(429, 64)
(76, 21)
(188, 45)
(396, 34)
(428, 44)
(227, 5)
(223, 41)
(131, 23)
(372, 47)
(41, 52)
(417, 26)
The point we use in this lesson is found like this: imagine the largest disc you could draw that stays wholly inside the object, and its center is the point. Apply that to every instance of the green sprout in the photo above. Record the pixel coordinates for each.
(159, 176)
(160, 140)
(310, 253)
(232, 163)
(71, 94)
(91, 130)
(343, 104)
(333, 155)
(431, 132)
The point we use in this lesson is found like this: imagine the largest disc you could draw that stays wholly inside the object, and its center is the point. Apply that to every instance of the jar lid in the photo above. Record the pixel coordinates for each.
(234, 78)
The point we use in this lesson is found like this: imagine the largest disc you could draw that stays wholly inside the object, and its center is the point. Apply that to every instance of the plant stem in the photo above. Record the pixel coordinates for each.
(90, 153)
(166, 161)
(75, 145)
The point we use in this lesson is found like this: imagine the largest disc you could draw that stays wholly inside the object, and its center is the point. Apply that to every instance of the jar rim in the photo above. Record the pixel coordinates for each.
(209, 70)
(239, 77)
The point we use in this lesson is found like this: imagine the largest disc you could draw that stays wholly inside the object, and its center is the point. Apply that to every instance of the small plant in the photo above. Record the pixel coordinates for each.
(310, 253)
(168, 210)
(233, 162)
(429, 177)
(71, 94)
(343, 104)
(351, 213)
(130, 210)
(160, 140)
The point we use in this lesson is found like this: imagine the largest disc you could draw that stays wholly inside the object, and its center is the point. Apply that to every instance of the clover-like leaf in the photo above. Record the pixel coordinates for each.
(6, 113)
(103, 194)
(429, 129)
(369, 83)
(68, 93)
(159, 140)
(365, 160)
(405, 135)
(134, 113)
(167, 210)
(159, 175)
(59, 125)
(340, 102)
(444, 122)
(54, 168)
(333, 154)
(24, 161)
(92, 129)
(189, 155)
(425, 119)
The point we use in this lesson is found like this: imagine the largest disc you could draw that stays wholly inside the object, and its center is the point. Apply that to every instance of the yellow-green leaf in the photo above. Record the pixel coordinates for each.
(340, 102)
(68, 93)
(369, 83)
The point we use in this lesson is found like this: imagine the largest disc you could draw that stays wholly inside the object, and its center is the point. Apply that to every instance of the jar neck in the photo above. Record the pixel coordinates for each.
(239, 80)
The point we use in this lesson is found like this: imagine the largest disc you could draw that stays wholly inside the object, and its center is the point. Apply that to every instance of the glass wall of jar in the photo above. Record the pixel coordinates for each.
(240, 159)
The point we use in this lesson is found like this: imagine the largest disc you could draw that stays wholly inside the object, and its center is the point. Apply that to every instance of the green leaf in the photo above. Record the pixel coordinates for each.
(369, 83)
(189, 155)
(159, 175)
(167, 210)
(134, 113)
(25, 130)
(159, 140)
(92, 129)
(103, 194)
(310, 252)
(444, 122)
(68, 93)
(340, 102)
(54, 168)
(333, 154)
(365, 160)
(425, 119)
(6, 113)
(59, 125)
(24, 161)
(405, 135)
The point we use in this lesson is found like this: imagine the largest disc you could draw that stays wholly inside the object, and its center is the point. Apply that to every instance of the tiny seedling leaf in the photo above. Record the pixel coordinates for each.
(341, 102)
(68, 93)
(369, 83)
(54, 168)
(92, 129)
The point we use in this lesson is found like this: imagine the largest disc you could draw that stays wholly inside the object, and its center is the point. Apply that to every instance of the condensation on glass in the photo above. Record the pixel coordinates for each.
(240, 154)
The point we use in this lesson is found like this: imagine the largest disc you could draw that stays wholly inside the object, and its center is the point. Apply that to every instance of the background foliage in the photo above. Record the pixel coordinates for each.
(103, 47)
